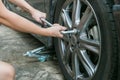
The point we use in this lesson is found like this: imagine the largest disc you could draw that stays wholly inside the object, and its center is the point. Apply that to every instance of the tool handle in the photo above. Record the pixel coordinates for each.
(48, 23)
(63, 32)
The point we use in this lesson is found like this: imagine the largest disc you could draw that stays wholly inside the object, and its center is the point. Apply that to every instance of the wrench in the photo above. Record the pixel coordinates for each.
(63, 32)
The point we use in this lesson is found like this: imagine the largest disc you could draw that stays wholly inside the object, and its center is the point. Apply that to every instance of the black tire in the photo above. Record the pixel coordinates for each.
(118, 26)
(117, 17)
(117, 20)
(107, 61)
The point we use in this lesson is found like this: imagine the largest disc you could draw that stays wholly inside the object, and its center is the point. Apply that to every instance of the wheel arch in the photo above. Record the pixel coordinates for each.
(57, 10)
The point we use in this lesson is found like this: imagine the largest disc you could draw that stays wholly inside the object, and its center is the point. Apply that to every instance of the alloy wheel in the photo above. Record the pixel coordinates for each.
(81, 51)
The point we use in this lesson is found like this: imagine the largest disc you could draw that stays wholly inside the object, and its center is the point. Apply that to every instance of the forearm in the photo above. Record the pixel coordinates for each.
(21, 24)
(23, 4)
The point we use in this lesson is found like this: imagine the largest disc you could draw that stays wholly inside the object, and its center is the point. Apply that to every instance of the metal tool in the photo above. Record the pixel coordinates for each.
(70, 31)
(38, 52)
(48, 23)
(63, 32)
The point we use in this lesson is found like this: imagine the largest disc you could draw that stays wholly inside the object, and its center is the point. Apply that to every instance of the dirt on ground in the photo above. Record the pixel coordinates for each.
(14, 44)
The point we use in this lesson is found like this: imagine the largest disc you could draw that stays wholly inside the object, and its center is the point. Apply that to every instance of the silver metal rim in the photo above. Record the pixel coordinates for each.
(80, 52)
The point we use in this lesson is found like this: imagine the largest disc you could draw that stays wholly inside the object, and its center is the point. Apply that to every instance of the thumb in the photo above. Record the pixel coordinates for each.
(63, 28)
(60, 36)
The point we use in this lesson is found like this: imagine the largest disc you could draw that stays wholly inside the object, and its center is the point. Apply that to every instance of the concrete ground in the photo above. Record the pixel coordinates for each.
(12, 46)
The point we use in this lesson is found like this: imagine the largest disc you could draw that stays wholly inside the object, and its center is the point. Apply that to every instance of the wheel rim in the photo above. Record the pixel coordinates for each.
(80, 52)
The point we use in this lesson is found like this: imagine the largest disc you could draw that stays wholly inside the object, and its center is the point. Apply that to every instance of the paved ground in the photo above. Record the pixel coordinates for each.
(12, 46)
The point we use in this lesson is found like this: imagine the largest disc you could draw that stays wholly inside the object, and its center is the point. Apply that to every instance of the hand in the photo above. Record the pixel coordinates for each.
(55, 30)
(36, 14)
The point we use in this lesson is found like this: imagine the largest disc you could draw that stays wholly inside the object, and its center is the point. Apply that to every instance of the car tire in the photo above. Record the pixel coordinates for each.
(76, 58)
(116, 12)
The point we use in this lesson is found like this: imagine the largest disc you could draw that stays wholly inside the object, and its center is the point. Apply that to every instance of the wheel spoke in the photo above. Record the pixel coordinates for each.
(85, 20)
(75, 66)
(76, 12)
(85, 60)
(66, 18)
(63, 48)
(91, 45)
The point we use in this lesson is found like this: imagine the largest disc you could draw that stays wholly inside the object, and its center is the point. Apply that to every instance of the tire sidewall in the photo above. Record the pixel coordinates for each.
(108, 53)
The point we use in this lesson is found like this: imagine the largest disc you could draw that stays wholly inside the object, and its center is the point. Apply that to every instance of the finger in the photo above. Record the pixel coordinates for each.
(45, 15)
(56, 24)
(60, 36)
(42, 22)
(63, 28)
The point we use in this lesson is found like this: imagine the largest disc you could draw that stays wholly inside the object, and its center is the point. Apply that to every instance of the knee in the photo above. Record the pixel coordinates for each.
(7, 70)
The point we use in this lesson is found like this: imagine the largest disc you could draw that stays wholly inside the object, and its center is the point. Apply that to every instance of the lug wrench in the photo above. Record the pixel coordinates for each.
(63, 32)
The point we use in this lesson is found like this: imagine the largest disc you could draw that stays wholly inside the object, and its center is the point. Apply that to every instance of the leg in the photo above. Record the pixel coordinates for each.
(7, 71)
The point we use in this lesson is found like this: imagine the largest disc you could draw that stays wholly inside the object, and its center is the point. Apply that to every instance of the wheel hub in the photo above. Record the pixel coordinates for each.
(73, 40)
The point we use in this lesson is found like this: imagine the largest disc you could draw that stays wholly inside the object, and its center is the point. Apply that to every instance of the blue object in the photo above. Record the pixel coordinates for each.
(42, 58)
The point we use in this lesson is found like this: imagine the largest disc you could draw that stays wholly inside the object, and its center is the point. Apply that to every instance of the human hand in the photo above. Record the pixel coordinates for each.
(55, 31)
(36, 14)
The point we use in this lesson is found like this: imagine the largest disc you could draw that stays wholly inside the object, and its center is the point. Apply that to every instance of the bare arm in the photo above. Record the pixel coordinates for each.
(21, 24)
(23, 4)
(36, 14)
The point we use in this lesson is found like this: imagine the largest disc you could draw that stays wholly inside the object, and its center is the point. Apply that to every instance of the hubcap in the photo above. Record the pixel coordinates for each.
(81, 51)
